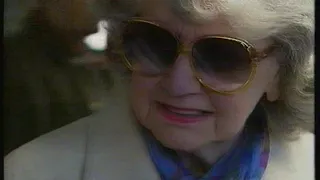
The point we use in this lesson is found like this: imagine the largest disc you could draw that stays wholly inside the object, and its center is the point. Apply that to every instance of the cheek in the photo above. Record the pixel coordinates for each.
(233, 111)
(141, 89)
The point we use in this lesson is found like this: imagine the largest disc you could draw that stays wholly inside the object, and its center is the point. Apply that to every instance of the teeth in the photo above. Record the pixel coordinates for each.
(185, 112)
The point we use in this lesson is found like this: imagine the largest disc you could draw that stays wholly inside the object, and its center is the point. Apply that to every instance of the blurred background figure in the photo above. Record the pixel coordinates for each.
(45, 83)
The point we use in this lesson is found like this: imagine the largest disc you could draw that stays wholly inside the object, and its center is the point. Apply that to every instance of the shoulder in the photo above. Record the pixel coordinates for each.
(292, 159)
(101, 146)
(51, 153)
(95, 147)
(61, 153)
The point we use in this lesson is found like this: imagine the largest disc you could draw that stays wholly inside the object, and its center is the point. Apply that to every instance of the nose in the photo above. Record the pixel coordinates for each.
(180, 80)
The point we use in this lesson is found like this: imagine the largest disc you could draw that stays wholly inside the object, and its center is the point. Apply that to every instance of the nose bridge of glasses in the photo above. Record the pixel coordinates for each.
(184, 50)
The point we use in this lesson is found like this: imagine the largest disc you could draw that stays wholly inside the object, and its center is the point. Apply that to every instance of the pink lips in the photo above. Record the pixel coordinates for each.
(187, 117)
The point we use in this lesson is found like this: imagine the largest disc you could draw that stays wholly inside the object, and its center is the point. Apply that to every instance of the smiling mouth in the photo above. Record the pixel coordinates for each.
(182, 115)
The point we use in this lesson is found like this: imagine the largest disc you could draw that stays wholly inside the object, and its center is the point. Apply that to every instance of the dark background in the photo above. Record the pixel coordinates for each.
(42, 89)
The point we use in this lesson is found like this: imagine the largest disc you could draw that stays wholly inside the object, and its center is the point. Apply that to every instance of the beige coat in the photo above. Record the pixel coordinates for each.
(107, 146)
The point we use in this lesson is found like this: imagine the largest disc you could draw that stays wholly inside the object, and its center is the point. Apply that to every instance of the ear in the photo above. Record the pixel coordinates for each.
(272, 91)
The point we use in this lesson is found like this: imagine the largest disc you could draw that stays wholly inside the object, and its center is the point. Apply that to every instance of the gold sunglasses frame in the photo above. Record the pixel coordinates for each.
(254, 55)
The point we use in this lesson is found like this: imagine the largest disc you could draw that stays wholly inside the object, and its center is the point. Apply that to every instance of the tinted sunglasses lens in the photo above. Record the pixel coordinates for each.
(148, 48)
(222, 64)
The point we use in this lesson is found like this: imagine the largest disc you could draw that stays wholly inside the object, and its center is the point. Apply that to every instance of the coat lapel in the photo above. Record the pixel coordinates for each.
(115, 149)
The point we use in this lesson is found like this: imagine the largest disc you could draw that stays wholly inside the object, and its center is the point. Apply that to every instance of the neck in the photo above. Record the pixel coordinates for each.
(210, 153)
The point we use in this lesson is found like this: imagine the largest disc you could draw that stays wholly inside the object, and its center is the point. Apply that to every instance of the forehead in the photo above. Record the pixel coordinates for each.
(160, 13)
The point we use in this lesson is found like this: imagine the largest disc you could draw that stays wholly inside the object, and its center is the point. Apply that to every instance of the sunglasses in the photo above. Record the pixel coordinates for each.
(221, 64)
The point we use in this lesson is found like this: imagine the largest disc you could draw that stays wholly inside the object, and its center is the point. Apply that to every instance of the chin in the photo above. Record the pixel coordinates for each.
(177, 139)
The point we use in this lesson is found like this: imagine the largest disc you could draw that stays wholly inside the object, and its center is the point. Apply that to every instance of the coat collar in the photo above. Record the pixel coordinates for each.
(114, 147)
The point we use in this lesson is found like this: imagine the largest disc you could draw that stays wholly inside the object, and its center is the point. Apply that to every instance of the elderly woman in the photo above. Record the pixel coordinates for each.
(215, 90)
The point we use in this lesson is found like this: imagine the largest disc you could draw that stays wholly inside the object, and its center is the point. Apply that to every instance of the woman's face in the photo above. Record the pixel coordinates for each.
(162, 104)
